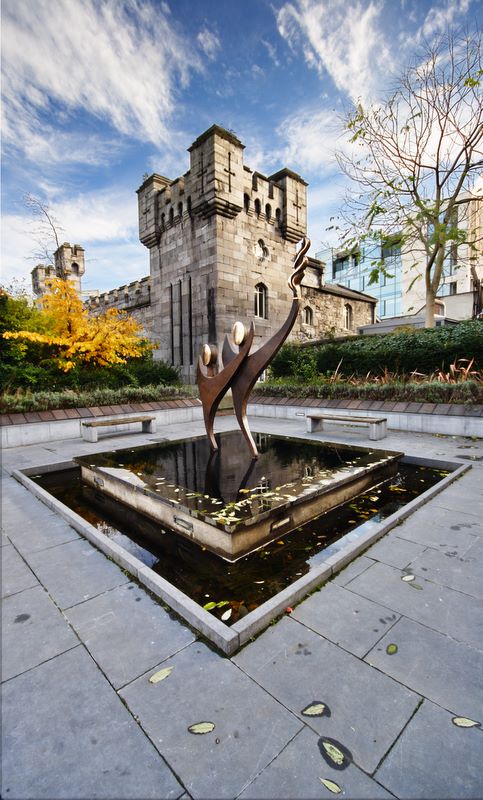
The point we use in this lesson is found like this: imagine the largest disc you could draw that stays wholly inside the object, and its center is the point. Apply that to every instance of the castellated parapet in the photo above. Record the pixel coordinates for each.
(69, 263)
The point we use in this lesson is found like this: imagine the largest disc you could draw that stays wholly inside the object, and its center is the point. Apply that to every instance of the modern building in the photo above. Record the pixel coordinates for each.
(400, 289)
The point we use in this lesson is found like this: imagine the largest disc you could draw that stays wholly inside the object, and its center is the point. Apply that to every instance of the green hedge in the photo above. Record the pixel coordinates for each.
(421, 350)
(467, 392)
(45, 401)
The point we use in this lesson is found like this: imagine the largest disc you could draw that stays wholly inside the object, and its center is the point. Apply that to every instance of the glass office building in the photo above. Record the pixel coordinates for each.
(354, 269)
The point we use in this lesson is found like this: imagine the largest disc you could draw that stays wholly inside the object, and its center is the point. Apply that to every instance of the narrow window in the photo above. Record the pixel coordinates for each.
(246, 202)
(348, 316)
(180, 209)
(171, 215)
(258, 207)
(188, 203)
(268, 211)
(308, 316)
(261, 296)
(278, 215)
(163, 220)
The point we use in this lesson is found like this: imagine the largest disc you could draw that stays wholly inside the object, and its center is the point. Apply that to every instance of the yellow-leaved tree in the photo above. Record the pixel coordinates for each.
(77, 338)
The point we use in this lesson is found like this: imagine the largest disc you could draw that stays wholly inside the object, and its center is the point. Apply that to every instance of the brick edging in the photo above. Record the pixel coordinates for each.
(94, 411)
(450, 409)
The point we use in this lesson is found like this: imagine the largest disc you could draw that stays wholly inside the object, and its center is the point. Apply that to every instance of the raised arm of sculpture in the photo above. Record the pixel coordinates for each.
(252, 367)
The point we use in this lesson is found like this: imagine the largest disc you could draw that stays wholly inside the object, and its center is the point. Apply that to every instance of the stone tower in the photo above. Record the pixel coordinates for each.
(222, 241)
(69, 263)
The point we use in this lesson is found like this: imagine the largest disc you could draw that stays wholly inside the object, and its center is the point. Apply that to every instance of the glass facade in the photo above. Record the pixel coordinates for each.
(353, 270)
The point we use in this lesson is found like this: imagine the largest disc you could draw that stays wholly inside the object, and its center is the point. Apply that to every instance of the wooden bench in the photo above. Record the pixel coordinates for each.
(377, 425)
(90, 429)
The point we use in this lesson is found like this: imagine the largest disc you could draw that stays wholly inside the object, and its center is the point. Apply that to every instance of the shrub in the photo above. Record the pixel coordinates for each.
(47, 400)
(403, 352)
(467, 392)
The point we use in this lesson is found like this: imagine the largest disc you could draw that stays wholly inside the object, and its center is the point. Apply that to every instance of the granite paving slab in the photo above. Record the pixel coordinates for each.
(464, 573)
(345, 618)
(435, 759)
(75, 571)
(67, 735)
(32, 527)
(352, 570)
(16, 575)
(440, 608)
(299, 770)
(434, 665)
(251, 728)
(395, 551)
(127, 632)
(446, 530)
(368, 710)
(33, 630)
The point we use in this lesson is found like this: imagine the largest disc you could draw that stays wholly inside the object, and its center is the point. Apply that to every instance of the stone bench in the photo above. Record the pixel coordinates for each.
(89, 430)
(377, 425)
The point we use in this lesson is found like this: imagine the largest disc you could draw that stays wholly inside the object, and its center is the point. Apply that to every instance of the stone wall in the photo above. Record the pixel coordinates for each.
(134, 298)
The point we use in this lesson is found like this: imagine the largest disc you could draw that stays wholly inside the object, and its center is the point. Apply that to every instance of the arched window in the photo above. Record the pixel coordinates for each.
(261, 297)
(308, 316)
(258, 207)
(348, 316)
(278, 215)
(246, 202)
(268, 211)
(171, 215)
(180, 209)
(75, 268)
(188, 203)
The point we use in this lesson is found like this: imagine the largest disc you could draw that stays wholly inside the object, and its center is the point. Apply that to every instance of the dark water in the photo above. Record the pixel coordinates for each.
(240, 587)
(228, 487)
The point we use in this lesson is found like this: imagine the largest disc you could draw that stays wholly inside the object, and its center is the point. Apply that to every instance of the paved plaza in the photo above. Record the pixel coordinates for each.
(390, 664)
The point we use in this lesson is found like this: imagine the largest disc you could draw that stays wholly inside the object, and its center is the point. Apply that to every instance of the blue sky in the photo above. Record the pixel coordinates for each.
(95, 94)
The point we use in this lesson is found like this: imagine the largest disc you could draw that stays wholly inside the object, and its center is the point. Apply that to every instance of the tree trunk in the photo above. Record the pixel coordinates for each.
(429, 321)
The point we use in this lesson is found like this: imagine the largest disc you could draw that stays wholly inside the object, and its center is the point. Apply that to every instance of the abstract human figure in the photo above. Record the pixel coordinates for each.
(213, 386)
(240, 370)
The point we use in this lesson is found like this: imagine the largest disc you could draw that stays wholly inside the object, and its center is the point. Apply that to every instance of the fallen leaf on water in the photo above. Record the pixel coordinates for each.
(161, 675)
(226, 615)
(209, 606)
(201, 727)
(331, 786)
(464, 722)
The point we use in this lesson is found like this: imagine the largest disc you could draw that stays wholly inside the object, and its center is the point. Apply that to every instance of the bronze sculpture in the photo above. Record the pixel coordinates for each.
(242, 369)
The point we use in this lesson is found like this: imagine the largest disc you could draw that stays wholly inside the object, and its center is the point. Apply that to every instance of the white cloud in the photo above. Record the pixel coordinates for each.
(272, 53)
(119, 61)
(343, 39)
(440, 18)
(209, 43)
(311, 137)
